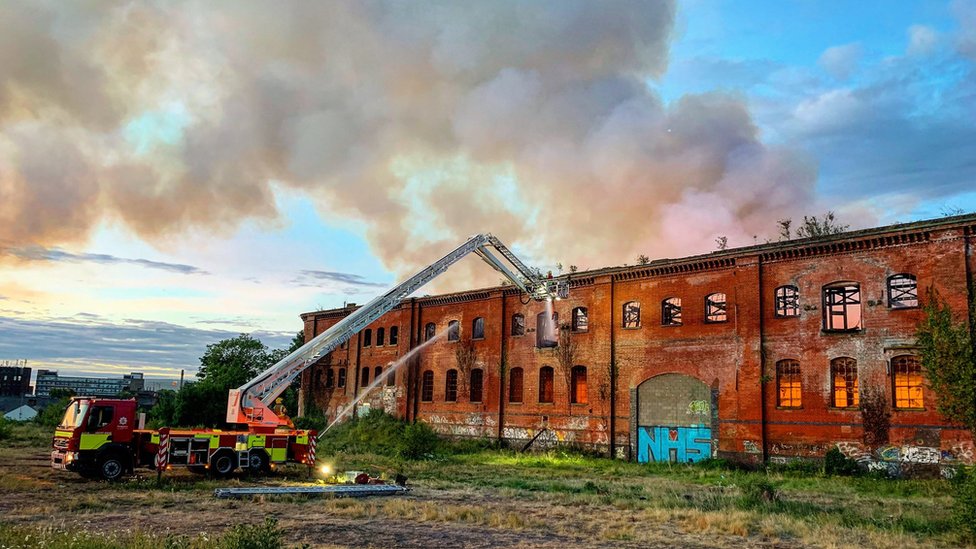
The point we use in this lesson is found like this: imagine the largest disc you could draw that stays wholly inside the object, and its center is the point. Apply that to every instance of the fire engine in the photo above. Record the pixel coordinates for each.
(101, 437)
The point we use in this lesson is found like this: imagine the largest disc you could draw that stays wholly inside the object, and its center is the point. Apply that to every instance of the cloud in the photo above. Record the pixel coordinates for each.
(922, 40)
(40, 253)
(965, 13)
(309, 278)
(840, 61)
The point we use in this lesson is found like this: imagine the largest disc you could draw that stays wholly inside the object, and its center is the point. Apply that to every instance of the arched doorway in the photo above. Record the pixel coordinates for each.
(674, 419)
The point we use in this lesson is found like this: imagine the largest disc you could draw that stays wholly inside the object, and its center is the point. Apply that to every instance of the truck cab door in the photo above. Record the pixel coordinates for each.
(99, 427)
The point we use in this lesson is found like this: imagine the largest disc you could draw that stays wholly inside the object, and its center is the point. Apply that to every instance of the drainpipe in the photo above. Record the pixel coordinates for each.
(414, 365)
(501, 373)
(762, 361)
(613, 372)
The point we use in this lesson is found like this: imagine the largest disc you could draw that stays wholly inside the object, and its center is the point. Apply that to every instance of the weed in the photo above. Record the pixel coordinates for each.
(836, 463)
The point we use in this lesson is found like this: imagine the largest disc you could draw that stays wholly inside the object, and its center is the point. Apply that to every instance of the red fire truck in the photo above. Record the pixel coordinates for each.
(97, 436)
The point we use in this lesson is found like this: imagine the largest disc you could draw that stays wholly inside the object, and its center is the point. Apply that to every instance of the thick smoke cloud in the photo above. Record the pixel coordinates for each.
(427, 121)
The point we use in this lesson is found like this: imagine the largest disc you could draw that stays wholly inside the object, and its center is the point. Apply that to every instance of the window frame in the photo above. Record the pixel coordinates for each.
(380, 336)
(451, 385)
(476, 333)
(547, 390)
(427, 386)
(841, 289)
(671, 311)
(789, 370)
(341, 376)
(722, 309)
(329, 378)
(916, 362)
(367, 337)
(893, 301)
(520, 325)
(521, 385)
(574, 393)
(630, 313)
(845, 366)
(577, 314)
(541, 342)
(364, 377)
(394, 335)
(430, 331)
(480, 385)
(453, 330)
(783, 304)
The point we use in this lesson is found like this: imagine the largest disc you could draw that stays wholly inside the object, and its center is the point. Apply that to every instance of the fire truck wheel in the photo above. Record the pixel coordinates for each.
(223, 463)
(257, 462)
(112, 468)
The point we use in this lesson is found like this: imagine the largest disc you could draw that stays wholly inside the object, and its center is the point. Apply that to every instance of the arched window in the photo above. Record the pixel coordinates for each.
(518, 325)
(578, 393)
(789, 389)
(906, 371)
(453, 330)
(430, 330)
(716, 308)
(450, 386)
(545, 330)
(427, 386)
(391, 379)
(367, 337)
(842, 307)
(478, 328)
(787, 301)
(394, 335)
(515, 385)
(364, 377)
(843, 383)
(546, 378)
(377, 372)
(342, 378)
(380, 337)
(581, 319)
(671, 312)
(477, 384)
(329, 378)
(631, 318)
(902, 291)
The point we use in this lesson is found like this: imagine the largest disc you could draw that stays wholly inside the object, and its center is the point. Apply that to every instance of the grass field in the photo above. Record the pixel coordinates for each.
(484, 498)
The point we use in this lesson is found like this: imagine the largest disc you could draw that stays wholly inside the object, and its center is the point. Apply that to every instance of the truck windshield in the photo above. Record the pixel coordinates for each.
(75, 414)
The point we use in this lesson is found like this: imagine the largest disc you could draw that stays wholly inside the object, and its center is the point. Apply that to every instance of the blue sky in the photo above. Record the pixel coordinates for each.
(203, 182)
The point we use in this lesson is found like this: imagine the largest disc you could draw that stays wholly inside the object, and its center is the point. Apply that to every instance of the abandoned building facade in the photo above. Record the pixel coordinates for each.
(759, 353)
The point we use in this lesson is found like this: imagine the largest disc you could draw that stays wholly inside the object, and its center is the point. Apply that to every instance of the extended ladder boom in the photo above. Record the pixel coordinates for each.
(251, 403)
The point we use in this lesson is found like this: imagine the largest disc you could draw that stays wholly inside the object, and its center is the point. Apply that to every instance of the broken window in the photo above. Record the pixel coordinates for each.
(546, 377)
(477, 384)
(631, 317)
(787, 301)
(902, 291)
(364, 378)
(427, 386)
(478, 328)
(843, 376)
(367, 337)
(671, 312)
(545, 330)
(581, 319)
(329, 378)
(342, 378)
(518, 325)
(453, 330)
(788, 386)
(380, 337)
(377, 372)
(450, 387)
(842, 307)
(515, 385)
(715, 308)
(907, 372)
(578, 393)
(394, 334)
(430, 330)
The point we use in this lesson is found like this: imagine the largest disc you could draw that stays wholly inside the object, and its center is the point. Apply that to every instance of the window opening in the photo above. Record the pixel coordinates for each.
(546, 377)
(843, 372)
(427, 386)
(907, 371)
(716, 308)
(631, 318)
(788, 384)
(787, 301)
(450, 387)
(581, 319)
(902, 291)
(671, 312)
(477, 384)
(842, 307)
(515, 385)
(578, 395)
(478, 328)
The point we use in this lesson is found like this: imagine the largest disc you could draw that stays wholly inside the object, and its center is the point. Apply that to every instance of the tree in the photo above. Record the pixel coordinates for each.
(233, 362)
(946, 349)
(722, 242)
(784, 228)
(815, 227)
(643, 259)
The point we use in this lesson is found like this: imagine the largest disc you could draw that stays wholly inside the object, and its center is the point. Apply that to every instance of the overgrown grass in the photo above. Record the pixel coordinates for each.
(25, 434)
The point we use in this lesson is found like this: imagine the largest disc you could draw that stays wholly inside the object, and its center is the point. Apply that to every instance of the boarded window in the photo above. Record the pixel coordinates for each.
(843, 376)
(545, 330)
(377, 372)
(787, 301)
(581, 319)
(367, 337)
(842, 307)
(478, 328)
(430, 330)
(364, 377)
(394, 335)
(329, 378)
(631, 318)
(453, 330)
(427, 386)
(342, 378)
(546, 377)
(671, 312)
(788, 386)
(450, 386)
(477, 384)
(907, 371)
(715, 308)
(902, 291)
(518, 325)
(380, 337)
(578, 393)
(515, 385)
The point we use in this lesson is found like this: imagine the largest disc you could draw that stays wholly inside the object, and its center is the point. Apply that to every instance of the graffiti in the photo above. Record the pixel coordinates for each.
(675, 444)
(920, 454)
(889, 453)
(751, 447)
(698, 408)
(798, 450)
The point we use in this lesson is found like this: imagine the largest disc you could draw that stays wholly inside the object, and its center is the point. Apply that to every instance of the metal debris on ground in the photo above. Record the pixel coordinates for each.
(336, 490)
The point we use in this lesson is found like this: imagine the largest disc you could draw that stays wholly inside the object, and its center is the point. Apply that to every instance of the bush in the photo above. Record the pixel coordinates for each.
(964, 501)
(419, 441)
(5, 429)
(380, 433)
(50, 415)
(257, 536)
(836, 463)
(758, 491)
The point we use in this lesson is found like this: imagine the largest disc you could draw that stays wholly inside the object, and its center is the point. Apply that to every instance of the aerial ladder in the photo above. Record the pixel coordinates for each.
(251, 403)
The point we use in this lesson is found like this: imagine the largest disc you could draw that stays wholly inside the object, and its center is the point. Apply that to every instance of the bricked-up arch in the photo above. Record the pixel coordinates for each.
(515, 386)
(675, 418)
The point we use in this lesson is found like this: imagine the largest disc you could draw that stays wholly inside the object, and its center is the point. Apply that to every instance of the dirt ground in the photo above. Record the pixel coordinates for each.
(428, 516)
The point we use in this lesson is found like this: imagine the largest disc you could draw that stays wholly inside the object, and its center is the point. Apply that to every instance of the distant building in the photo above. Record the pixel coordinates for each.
(14, 379)
(22, 413)
(48, 380)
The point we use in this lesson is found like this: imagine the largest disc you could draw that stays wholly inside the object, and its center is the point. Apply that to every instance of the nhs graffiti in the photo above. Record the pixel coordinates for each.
(675, 444)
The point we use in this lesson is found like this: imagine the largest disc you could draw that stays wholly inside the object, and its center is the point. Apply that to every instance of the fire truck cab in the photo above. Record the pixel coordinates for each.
(95, 437)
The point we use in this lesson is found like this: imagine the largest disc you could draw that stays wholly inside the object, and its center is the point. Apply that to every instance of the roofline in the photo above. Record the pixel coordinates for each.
(956, 221)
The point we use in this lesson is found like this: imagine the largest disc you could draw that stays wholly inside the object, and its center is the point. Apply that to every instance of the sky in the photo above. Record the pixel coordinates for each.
(176, 173)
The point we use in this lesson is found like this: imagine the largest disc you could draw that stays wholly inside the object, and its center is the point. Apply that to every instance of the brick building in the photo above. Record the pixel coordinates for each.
(757, 353)
(15, 379)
